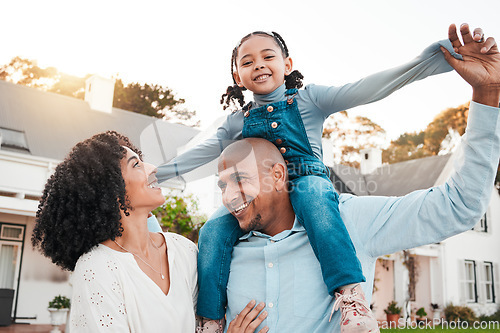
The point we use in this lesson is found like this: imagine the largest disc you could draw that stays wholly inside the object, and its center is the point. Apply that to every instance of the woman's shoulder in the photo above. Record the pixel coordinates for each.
(99, 258)
(182, 243)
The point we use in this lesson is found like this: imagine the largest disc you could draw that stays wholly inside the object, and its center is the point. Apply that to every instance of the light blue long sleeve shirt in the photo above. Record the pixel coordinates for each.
(283, 272)
(315, 104)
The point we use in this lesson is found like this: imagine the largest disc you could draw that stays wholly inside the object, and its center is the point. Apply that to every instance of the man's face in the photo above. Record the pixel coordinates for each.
(247, 192)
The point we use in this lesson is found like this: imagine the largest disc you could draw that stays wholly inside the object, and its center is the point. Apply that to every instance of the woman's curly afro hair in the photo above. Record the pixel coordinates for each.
(81, 203)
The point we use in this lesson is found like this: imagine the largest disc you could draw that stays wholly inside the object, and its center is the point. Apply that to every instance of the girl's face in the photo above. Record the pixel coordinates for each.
(141, 184)
(260, 66)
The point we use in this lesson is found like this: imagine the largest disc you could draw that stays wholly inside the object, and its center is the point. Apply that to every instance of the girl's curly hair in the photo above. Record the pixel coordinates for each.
(81, 203)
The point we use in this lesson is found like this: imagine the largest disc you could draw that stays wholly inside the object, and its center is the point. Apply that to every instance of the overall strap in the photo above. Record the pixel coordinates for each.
(290, 94)
(247, 107)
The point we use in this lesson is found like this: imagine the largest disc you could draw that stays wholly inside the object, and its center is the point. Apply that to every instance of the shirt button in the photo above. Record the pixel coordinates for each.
(274, 124)
(282, 150)
(270, 265)
(270, 305)
(279, 141)
(246, 114)
(270, 108)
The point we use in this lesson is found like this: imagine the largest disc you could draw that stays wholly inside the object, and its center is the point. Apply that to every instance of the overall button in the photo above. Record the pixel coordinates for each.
(274, 124)
(279, 141)
(282, 150)
(270, 108)
(246, 114)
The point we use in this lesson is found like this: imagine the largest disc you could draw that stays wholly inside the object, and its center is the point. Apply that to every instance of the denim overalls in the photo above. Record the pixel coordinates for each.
(313, 198)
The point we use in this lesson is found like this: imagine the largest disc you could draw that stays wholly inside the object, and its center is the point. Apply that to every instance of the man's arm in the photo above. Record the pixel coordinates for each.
(390, 224)
(428, 216)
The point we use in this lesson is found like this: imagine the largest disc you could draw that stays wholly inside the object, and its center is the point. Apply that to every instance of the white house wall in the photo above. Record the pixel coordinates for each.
(384, 282)
(477, 246)
(423, 287)
(40, 280)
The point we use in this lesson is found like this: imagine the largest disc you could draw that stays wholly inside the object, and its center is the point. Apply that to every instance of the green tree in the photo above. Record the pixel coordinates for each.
(435, 139)
(150, 100)
(27, 73)
(69, 85)
(180, 214)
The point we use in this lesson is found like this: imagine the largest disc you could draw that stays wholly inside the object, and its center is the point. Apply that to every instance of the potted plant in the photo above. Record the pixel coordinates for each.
(58, 308)
(436, 312)
(421, 315)
(393, 311)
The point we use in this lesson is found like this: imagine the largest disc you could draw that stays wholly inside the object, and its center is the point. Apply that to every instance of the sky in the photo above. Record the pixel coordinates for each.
(186, 45)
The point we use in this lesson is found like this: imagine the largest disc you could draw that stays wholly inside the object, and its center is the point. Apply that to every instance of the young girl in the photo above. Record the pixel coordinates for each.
(292, 119)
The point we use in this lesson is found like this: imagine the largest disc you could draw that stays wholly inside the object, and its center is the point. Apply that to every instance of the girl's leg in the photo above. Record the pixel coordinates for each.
(217, 238)
(315, 203)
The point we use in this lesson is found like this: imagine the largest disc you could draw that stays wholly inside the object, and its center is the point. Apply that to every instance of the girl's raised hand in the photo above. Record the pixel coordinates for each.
(249, 319)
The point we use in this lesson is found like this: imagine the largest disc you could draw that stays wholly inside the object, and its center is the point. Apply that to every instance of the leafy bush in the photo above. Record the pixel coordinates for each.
(462, 313)
(421, 313)
(393, 308)
(59, 302)
(180, 214)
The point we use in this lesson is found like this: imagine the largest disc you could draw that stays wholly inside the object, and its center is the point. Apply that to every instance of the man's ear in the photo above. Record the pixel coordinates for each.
(280, 176)
(237, 79)
(288, 65)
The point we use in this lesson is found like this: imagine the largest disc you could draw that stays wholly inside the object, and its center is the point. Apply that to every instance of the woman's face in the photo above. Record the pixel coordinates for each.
(141, 184)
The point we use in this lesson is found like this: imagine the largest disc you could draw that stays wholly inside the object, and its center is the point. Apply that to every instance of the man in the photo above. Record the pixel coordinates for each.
(274, 262)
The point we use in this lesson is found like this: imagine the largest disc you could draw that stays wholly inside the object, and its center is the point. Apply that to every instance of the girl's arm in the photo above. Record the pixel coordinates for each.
(380, 85)
(206, 151)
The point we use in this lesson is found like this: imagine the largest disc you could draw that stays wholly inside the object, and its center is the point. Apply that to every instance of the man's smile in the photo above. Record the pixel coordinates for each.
(240, 210)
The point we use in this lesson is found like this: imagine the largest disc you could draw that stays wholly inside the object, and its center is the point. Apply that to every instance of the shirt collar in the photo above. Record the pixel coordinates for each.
(277, 95)
(297, 227)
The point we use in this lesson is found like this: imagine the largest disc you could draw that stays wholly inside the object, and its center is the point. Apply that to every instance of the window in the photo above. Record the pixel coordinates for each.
(11, 242)
(482, 225)
(470, 281)
(12, 139)
(489, 288)
(12, 232)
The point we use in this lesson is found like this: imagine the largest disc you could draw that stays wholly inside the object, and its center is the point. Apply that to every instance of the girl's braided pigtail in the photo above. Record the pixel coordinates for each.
(293, 80)
(233, 94)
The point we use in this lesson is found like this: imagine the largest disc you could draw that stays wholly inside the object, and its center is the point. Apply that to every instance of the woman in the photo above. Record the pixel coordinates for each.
(92, 220)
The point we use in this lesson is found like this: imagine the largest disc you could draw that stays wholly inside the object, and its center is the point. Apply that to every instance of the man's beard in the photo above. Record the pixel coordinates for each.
(255, 224)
